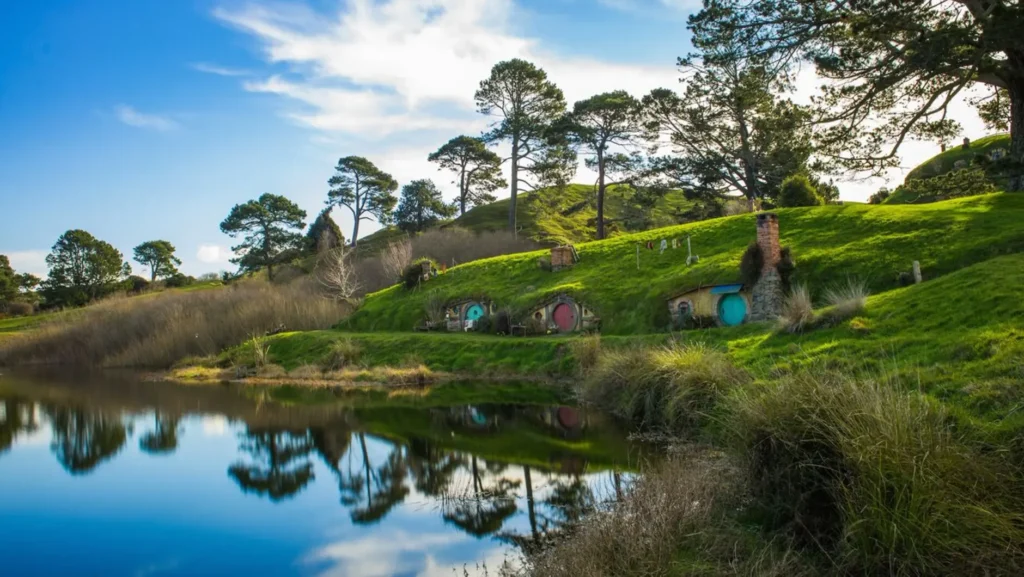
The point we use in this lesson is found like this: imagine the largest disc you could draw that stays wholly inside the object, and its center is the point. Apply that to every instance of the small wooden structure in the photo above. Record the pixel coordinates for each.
(728, 304)
(564, 315)
(563, 257)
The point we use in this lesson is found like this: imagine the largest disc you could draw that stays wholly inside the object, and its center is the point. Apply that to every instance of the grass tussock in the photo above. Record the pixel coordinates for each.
(587, 351)
(343, 353)
(797, 311)
(846, 300)
(878, 479)
(672, 388)
(156, 331)
(673, 521)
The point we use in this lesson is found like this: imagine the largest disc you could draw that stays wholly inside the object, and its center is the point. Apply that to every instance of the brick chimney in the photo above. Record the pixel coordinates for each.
(768, 240)
(766, 295)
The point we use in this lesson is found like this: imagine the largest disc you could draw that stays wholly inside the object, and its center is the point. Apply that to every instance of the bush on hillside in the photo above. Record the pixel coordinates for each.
(137, 284)
(954, 184)
(158, 331)
(672, 388)
(751, 264)
(178, 280)
(412, 276)
(879, 197)
(454, 245)
(879, 479)
(798, 190)
(17, 308)
(786, 268)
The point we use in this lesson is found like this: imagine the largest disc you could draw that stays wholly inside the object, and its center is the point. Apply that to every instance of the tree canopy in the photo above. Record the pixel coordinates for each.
(324, 234)
(524, 103)
(729, 131)
(478, 169)
(892, 69)
(82, 268)
(600, 125)
(158, 255)
(271, 227)
(367, 191)
(421, 206)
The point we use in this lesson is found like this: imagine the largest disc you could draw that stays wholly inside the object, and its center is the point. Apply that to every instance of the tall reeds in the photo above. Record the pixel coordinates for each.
(157, 330)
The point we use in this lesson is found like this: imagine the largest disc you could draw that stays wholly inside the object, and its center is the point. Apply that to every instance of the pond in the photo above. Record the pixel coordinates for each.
(104, 474)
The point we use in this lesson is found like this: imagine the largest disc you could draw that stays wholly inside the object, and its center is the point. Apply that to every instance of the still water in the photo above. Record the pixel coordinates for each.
(107, 475)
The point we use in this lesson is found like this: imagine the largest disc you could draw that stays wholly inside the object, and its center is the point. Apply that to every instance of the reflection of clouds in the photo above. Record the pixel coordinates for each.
(383, 555)
(214, 426)
(40, 437)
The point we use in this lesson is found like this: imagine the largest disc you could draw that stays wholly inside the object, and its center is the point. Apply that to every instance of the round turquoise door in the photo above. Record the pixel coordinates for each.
(732, 310)
(474, 312)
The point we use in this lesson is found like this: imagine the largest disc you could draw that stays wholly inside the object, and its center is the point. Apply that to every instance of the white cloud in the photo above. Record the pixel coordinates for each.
(219, 70)
(214, 426)
(30, 261)
(213, 254)
(399, 553)
(133, 117)
(407, 65)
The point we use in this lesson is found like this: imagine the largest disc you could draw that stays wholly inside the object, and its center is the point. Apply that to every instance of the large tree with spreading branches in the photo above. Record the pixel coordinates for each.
(892, 69)
(606, 127)
(478, 169)
(367, 191)
(421, 206)
(730, 133)
(524, 103)
(271, 226)
(159, 256)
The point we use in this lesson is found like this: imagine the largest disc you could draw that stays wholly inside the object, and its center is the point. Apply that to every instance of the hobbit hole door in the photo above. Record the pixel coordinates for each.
(474, 312)
(732, 310)
(565, 317)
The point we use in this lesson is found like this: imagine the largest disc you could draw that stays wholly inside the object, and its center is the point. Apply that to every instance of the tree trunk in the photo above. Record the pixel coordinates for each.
(532, 513)
(600, 195)
(152, 274)
(355, 232)
(270, 270)
(1016, 91)
(515, 186)
(463, 192)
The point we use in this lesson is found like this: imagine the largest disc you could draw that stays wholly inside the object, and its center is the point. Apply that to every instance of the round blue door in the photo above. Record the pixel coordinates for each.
(732, 310)
(474, 312)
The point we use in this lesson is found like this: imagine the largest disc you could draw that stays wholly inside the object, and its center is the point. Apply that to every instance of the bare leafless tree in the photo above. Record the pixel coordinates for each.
(395, 258)
(336, 272)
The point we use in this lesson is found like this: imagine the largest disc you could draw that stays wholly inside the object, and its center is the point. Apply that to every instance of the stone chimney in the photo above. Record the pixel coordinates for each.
(766, 296)
(768, 240)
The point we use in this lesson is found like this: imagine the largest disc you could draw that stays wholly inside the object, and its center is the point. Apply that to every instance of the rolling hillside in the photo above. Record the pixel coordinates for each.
(543, 216)
(829, 243)
(946, 161)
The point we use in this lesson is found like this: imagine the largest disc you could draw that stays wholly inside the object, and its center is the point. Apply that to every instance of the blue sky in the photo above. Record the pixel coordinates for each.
(149, 119)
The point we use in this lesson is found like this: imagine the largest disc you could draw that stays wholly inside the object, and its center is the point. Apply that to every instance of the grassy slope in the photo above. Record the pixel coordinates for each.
(829, 243)
(943, 162)
(573, 227)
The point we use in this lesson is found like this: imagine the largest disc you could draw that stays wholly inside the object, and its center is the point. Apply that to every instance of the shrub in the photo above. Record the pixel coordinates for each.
(587, 351)
(412, 276)
(18, 308)
(879, 197)
(454, 245)
(178, 280)
(484, 324)
(342, 353)
(786, 268)
(751, 264)
(395, 259)
(544, 264)
(847, 299)
(798, 190)
(672, 388)
(953, 184)
(880, 479)
(155, 332)
(306, 373)
(209, 277)
(136, 284)
(797, 311)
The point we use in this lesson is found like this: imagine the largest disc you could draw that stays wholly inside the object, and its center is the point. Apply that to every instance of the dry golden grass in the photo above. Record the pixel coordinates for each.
(797, 311)
(156, 331)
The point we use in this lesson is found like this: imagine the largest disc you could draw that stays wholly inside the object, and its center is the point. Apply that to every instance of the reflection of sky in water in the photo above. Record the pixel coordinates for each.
(181, 514)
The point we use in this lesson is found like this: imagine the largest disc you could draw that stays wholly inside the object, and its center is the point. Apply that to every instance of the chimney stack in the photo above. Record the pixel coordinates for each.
(766, 295)
(768, 240)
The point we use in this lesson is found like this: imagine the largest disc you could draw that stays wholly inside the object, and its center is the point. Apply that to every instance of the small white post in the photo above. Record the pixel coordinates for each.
(917, 272)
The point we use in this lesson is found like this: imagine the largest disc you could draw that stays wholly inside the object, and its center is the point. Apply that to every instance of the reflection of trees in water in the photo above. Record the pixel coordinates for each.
(384, 487)
(83, 439)
(17, 417)
(163, 439)
(281, 466)
(485, 510)
(569, 500)
(432, 467)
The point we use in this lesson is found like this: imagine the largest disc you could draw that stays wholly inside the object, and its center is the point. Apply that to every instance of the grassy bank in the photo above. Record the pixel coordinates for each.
(830, 243)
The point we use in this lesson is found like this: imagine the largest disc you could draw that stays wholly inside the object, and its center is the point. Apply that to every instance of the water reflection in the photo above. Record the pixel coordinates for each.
(499, 475)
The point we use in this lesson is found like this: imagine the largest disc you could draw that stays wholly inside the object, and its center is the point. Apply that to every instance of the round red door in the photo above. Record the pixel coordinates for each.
(565, 317)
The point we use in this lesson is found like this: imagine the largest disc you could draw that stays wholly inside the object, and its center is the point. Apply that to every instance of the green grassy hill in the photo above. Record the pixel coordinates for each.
(569, 217)
(829, 243)
(946, 161)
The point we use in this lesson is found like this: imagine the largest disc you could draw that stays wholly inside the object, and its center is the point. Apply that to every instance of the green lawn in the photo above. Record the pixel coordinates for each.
(829, 243)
